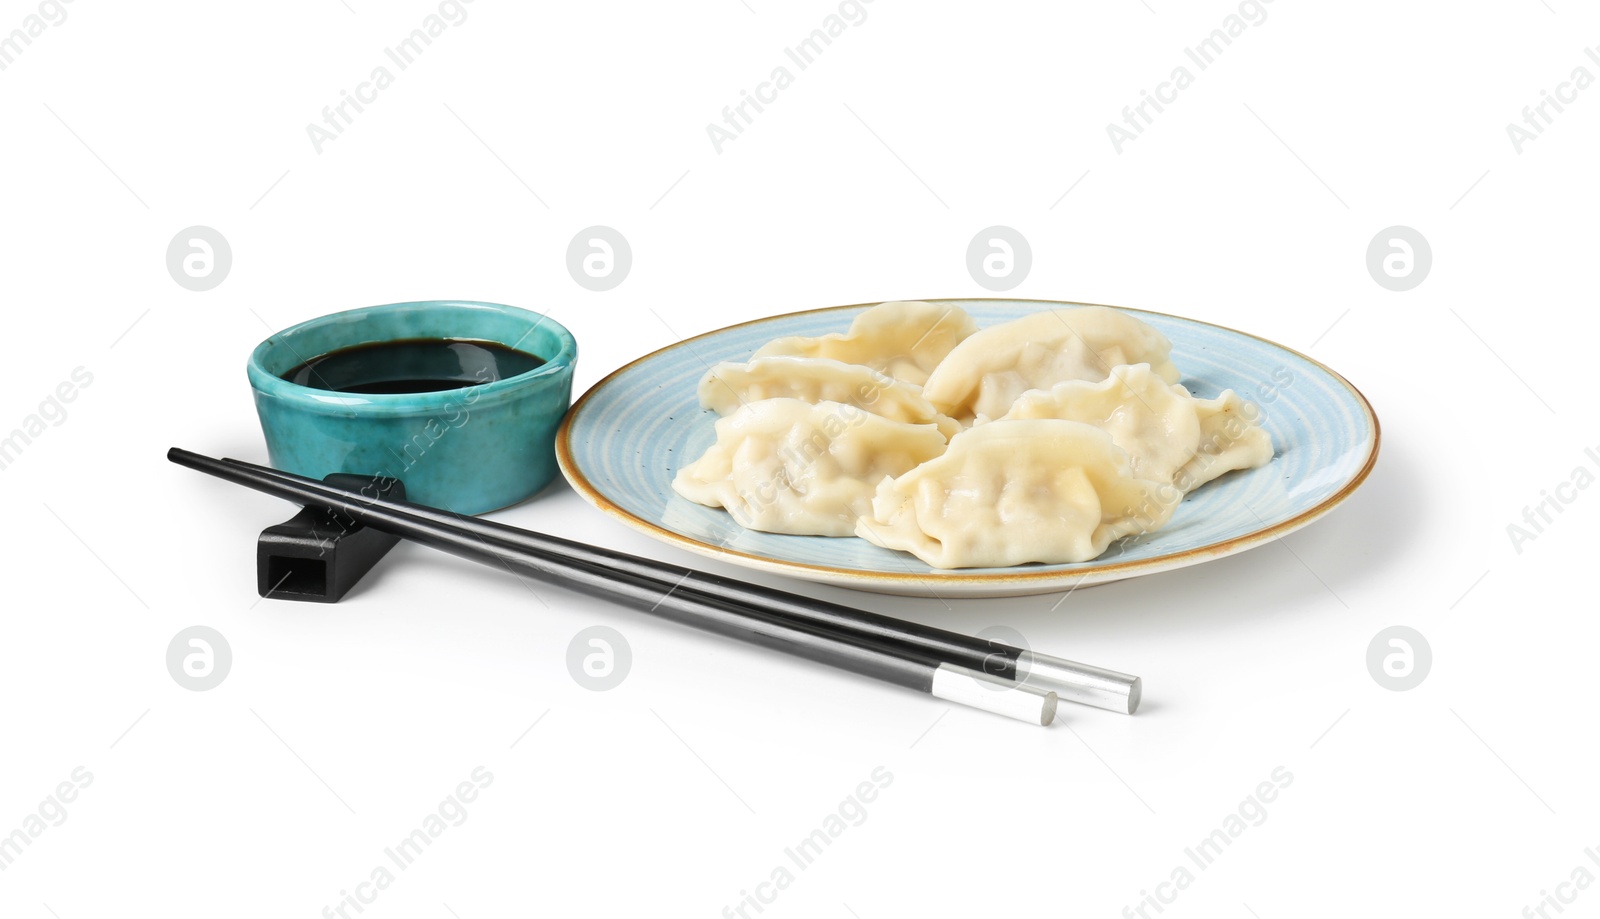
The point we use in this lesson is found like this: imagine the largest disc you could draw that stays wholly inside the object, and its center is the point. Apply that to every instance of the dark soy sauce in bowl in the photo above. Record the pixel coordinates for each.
(412, 365)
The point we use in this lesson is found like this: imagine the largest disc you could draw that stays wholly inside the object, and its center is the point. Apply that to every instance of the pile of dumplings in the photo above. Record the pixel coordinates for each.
(1044, 439)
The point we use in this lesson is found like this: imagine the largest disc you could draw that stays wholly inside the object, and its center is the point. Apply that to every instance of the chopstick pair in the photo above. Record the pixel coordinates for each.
(984, 674)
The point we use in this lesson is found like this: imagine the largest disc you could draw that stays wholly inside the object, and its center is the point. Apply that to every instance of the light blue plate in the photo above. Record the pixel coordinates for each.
(624, 440)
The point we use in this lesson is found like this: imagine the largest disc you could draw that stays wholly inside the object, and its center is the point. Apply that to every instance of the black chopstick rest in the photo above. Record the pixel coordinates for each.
(318, 555)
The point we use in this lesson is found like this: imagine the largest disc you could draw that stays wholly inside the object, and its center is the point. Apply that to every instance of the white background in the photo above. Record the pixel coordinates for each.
(1249, 202)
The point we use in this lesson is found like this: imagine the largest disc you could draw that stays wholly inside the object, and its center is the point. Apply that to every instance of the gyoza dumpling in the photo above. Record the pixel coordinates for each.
(904, 338)
(1231, 437)
(1168, 434)
(989, 370)
(1012, 492)
(787, 466)
(729, 385)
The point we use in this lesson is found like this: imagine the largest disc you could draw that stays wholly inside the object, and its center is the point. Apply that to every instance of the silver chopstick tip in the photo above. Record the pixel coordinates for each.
(1032, 704)
(1081, 683)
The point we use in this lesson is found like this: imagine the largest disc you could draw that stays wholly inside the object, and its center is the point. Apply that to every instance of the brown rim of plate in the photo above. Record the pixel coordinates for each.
(580, 483)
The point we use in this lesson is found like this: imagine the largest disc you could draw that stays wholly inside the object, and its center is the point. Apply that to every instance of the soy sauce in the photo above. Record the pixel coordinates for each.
(413, 365)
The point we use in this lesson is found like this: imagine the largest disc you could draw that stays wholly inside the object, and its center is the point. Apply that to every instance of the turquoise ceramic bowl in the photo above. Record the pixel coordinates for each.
(470, 450)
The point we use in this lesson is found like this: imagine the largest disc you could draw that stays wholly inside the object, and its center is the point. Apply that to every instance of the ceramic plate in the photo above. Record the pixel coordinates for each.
(624, 440)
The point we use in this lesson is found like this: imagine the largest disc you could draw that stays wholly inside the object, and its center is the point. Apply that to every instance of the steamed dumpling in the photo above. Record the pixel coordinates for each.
(904, 338)
(986, 373)
(787, 466)
(729, 385)
(1231, 437)
(1012, 492)
(1168, 434)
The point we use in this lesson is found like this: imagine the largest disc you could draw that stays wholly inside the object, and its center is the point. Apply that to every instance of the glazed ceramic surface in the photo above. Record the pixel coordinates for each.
(625, 439)
(471, 450)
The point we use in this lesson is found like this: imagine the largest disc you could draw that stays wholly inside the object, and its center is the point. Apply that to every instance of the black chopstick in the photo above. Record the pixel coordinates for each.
(890, 663)
(1073, 681)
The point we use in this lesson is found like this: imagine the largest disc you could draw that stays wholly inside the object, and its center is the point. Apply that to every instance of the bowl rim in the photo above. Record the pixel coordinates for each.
(1025, 574)
(265, 382)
